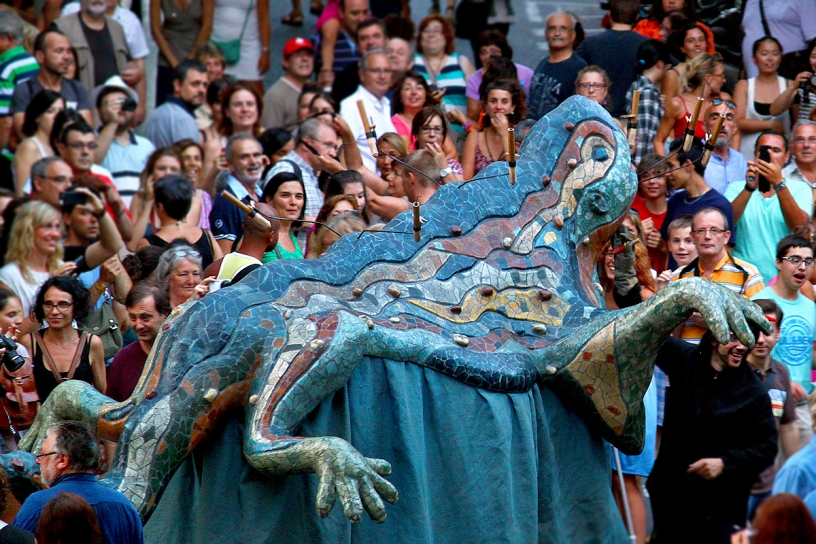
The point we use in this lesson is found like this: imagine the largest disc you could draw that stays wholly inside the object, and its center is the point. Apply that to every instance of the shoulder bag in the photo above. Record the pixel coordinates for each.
(232, 48)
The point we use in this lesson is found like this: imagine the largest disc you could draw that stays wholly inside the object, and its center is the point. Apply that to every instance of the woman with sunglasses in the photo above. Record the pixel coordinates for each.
(705, 79)
(755, 96)
(60, 351)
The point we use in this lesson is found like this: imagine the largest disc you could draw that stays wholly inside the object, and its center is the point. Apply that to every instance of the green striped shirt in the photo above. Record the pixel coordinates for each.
(16, 66)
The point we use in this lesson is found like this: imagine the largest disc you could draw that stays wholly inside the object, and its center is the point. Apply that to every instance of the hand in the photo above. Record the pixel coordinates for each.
(751, 176)
(439, 154)
(771, 171)
(330, 164)
(501, 124)
(132, 74)
(201, 289)
(798, 392)
(438, 94)
(664, 279)
(648, 225)
(112, 106)
(149, 192)
(95, 204)
(653, 239)
(741, 537)
(456, 116)
(221, 162)
(325, 79)
(65, 269)
(801, 77)
(342, 129)
(263, 62)
(707, 468)
(110, 270)
(358, 480)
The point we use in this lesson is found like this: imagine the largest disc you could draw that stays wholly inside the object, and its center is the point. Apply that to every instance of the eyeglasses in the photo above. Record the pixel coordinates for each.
(329, 145)
(593, 86)
(436, 130)
(41, 455)
(712, 231)
(61, 305)
(796, 260)
(432, 32)
(60, 179)
(719, 101)
(799, 140)
(90, 146)
(380, 71)
(559, 28)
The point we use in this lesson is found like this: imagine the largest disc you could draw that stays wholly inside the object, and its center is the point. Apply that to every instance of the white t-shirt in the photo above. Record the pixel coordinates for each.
(11, 276)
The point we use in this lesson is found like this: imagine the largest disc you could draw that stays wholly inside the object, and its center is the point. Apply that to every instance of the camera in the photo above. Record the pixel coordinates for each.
(806, 87)
(12, 360)
(70, 199)
(128, 104)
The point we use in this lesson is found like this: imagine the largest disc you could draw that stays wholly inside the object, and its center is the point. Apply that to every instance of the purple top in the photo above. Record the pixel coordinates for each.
(525, 76)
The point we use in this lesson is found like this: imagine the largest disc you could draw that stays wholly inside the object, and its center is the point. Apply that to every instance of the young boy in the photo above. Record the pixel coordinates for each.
(681, 246)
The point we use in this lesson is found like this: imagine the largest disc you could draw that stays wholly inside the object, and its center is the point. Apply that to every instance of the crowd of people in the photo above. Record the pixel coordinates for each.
(113, 213)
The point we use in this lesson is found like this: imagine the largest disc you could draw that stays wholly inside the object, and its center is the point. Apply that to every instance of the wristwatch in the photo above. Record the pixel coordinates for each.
(444, 172)
(781, 185)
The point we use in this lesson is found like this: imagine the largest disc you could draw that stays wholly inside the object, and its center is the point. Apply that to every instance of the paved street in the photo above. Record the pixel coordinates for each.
(526, 35)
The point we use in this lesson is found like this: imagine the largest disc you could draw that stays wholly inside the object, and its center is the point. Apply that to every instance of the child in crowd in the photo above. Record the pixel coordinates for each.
(681, 247)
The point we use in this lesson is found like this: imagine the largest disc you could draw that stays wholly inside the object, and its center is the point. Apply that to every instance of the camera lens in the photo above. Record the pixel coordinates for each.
(813, 81)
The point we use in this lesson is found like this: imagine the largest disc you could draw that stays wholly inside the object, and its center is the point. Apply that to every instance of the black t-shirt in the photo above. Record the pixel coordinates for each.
(346, 82)
(72, 253)
(552, 83)
(616, 52)
(104, 56)
(15, 535)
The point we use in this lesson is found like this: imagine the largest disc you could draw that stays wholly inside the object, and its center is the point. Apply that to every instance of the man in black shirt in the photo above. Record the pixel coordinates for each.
(718, 435)
(92, 233)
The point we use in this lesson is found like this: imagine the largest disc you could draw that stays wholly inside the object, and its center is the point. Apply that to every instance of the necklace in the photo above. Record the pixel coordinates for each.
(688, 200)
(487, 145)
(433, 72)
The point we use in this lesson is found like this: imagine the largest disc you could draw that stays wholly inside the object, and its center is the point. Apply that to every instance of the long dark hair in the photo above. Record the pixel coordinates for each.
(38, 105)
(516, 94)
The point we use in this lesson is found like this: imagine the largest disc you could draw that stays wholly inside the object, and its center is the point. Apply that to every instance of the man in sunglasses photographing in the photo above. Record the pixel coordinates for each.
(726, 163)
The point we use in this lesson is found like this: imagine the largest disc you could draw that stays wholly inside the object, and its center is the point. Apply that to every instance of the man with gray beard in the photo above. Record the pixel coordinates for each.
(726, 163)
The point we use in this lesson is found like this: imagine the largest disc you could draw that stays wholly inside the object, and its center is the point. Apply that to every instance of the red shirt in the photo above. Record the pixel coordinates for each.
(657, 257)
(125, 371)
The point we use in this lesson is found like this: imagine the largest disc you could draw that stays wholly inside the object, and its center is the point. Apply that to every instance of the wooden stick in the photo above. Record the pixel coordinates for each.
(370, 136)
(252, 212)
(631, 128)
(693, 124)
(712, 141)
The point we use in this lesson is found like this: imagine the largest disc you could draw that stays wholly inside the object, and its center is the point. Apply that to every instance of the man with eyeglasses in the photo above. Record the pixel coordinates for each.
(726, 163)
(370, 35)
(709, 230)
(50, 176)
(554, 77)
(375, 81)
(764, 217)
(797, 341)
(69, 458)
(803, 165)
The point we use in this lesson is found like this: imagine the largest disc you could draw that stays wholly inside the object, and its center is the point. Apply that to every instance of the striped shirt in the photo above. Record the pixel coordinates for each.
(735, 274)
(345, 52)
(16, 66)
(451, 77)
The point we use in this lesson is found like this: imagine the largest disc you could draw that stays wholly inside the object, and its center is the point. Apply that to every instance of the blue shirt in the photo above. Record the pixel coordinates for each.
(798, 474)
(126, 164)
(719, 174)
(171, 122)
(226, 219)
(117, 516)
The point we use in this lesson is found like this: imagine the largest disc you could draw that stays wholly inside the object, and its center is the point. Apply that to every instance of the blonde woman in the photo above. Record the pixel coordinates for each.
(34, 254)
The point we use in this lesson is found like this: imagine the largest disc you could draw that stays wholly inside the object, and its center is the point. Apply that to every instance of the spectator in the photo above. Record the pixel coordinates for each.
(334, 206)
(800, 100)
(726, 163)
(68, 459)
(429, 131)
(208, 115)
(121, 151)
(276, 144)
(257, 241)
(441, 66)
(164, 161)
(314, 139)
(281, 100)
(592, 82)
(718, 435)
(92, 234)
(287, 195)
(60, 351)
(797, 341)
(504, 106)
(705, 78)
(755, 96)
(615, 50)
(803, 165)
(335, 40)
(350, 183)
(250, 24)
(174, 120)
(245, 162)
(400, 55)
(16, 66)
(681, 248)
(178, 34)
(68, 519)
(651, 26)
(370, 35)
(375, 78)
(211, 56)
(792, 22)
(496, 68)
(419, 187)
(51, 176)
(554, 77)
(687, 42)
(192, 162)
(100, 44)
(489, 44)
(309, 91)
(142, 264)
(650, 205)
(39, 120)
(53, 53)
(776, 382)
(798, 474)
(8, 533)
(696, 195)
(653, 59)
(147, 308)
(323, 107)
(174, 197)
(782, 519)
(178, 274)
(340, 225)
(645, 285)
(762, 218)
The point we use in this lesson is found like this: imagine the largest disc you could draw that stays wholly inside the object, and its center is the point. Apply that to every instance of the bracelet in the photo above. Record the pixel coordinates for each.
(749, 189)
(781, 185)
(120, 213)
(265, 49)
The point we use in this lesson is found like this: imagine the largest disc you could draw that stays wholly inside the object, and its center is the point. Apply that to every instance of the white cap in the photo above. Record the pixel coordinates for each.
(118, 83)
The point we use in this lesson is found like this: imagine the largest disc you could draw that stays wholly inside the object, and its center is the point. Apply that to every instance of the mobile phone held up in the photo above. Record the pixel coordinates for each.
(764, 155)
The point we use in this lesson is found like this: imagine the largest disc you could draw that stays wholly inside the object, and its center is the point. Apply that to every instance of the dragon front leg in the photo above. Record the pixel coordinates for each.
(609, 363)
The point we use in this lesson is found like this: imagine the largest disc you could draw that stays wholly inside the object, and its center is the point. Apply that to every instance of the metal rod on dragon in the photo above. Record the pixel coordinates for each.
(692, 125)
(631, 128)
(417, 222)
(370, 136)
(712, 141)
(511, 154)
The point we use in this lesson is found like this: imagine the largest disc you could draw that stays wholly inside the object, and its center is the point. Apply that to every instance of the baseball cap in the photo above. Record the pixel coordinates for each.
(296, 44)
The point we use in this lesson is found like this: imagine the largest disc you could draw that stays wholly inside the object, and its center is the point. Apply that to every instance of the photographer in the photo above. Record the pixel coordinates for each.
(800, 96)
(121, 151)
(92, 234)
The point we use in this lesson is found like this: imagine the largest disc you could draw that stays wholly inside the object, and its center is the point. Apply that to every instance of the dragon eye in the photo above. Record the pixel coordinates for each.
(600, 154)
(598, 203)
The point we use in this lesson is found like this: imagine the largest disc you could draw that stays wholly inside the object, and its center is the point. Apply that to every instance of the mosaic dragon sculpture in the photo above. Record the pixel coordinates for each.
(498, 294)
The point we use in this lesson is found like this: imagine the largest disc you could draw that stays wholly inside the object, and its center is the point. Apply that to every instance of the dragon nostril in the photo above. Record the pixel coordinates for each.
(598, 203)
